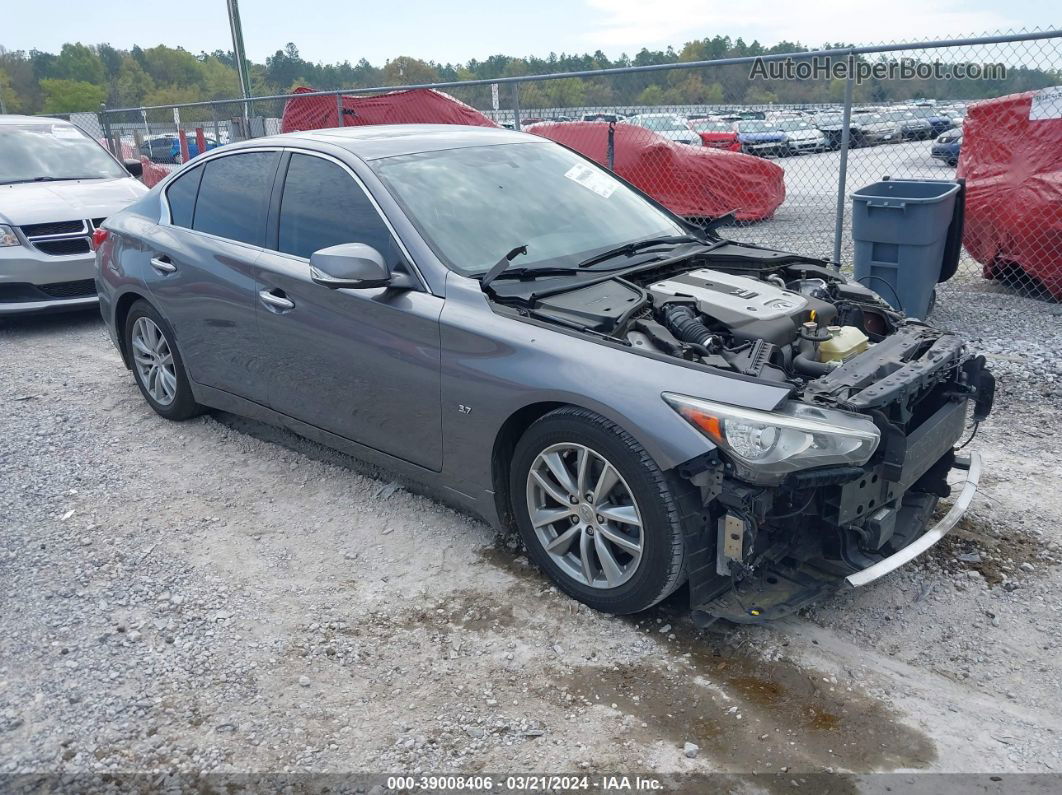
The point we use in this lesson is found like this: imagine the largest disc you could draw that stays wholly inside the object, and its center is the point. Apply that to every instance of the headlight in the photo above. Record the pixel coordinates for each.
(8, 237)
(767, 445)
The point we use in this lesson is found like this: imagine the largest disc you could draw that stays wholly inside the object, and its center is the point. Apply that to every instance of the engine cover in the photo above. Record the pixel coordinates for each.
(750, 309)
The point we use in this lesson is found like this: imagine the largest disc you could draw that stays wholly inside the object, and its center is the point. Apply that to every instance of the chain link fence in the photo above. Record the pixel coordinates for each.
(718, 142)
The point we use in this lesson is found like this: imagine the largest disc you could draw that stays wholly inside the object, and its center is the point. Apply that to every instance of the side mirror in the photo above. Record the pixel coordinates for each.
(134, 167)
(354, 266)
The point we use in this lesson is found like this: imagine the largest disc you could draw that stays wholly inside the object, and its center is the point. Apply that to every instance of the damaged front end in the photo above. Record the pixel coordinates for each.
(781, 543)
(840, 482)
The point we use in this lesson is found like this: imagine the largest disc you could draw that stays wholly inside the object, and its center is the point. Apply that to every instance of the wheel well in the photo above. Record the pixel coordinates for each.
(502, 455)
(121, 312)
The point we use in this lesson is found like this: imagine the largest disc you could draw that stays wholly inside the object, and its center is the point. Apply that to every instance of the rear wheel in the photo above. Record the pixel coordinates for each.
(596, 512)
(157, 365)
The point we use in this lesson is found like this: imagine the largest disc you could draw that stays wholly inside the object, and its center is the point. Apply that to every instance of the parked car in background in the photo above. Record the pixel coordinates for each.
(892, 126)
(158, 148)
(700, 183)
(938, 120)
(761, 138)
(911, 125)
(947, 147)
(832, 126)
(612, 117)
(717, 134)
(193, 147)
(801, 136)
(57, 185)
(669, 125)
(1011, 162)
(498, 319)
(167, 148)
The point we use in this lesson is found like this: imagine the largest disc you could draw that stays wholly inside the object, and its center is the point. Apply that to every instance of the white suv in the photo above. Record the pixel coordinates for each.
(57, 185)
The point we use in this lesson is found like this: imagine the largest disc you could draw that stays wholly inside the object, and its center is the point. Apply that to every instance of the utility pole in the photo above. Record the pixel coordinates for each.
(241, 58)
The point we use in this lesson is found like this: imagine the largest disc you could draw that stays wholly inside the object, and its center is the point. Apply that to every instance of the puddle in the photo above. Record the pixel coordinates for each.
(747, 714)
(751, 715)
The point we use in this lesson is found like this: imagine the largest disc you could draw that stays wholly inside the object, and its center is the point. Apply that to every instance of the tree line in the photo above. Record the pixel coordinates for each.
(82, 77)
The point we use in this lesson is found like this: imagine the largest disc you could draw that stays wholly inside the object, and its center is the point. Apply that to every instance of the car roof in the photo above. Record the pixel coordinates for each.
(375, 141)
(14, 118)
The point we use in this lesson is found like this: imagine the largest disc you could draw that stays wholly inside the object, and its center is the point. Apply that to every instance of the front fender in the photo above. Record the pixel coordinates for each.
(494, 365)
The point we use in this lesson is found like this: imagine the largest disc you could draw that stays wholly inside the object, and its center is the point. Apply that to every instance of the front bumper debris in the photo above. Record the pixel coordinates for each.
(868, 575)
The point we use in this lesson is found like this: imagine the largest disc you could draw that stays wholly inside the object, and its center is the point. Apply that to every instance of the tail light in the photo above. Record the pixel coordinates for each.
(99, 237)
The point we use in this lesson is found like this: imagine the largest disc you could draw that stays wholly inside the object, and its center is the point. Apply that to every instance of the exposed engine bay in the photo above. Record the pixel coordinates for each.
(785, 326)
(776, 539)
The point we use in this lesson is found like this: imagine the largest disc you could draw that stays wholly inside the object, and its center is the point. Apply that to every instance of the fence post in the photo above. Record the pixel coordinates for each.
(516, 106)
(842, 176)
(339, 110)
(612, 146)
(105, 127)
(214, 118)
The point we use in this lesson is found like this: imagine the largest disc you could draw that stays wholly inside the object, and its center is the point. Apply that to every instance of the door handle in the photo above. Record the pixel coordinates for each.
(162, 265)
(275, 303)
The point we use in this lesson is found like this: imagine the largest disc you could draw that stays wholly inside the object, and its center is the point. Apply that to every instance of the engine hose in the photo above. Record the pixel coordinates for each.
(683, 322)
(803, 363)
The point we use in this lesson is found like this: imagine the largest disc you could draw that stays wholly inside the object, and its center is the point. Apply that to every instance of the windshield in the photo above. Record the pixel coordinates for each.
(475, 204)
(793, 124)
(754, 127)
(660, 123)
(31, 152)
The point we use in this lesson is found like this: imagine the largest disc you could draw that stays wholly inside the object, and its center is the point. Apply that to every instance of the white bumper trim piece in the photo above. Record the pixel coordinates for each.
(930, 537)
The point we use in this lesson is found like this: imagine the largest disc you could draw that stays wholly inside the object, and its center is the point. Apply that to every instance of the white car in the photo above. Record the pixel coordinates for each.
(669, 125)
(57, 185)
(802, 136)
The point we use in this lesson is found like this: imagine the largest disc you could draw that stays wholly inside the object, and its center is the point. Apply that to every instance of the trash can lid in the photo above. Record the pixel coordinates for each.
(911, 191)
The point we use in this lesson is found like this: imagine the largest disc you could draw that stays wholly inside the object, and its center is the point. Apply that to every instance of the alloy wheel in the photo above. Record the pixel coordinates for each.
(154, 361)
(585, 515)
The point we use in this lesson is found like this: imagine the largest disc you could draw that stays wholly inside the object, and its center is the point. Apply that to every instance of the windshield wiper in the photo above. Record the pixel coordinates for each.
(630, 249)
(44, 179)
(501, 265)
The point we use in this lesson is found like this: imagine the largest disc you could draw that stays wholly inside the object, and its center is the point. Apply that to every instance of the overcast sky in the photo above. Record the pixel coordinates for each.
(458, 30)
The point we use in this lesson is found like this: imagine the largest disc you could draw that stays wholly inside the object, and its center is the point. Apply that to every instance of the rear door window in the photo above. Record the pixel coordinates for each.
(234, 196)
(323, 206)
(180, 195)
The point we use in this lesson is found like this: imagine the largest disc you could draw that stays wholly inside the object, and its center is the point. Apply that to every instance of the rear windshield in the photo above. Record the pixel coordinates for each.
(46, 152)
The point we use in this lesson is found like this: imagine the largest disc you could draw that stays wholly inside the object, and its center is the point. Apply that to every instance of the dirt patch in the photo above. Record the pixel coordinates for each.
(997, 552)
(465, 609)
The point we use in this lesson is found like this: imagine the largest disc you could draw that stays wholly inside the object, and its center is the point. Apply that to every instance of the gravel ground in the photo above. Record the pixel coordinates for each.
(218, 595)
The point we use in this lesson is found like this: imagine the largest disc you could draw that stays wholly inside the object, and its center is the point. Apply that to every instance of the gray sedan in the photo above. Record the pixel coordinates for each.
(530, 338)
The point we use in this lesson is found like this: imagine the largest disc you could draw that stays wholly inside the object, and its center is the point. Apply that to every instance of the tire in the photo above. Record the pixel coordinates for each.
(654, 500)
(167, 390)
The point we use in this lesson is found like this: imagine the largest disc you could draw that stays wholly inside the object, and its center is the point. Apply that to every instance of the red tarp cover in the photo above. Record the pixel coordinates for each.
(1013, 169)
(692, 181)
(416, 106)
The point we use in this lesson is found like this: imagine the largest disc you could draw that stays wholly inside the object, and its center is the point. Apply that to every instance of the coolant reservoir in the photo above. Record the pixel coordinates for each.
(844, 342)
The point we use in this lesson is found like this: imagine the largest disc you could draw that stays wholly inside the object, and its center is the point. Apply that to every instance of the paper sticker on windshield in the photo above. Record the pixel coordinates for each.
(1046, 104)
(592, 179)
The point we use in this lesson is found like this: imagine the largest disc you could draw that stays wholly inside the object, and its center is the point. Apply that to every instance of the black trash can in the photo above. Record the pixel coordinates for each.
(900, 232)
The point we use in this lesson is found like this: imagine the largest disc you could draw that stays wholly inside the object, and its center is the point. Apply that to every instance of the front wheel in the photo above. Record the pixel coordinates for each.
(596, 512)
